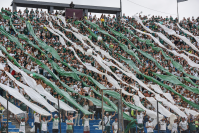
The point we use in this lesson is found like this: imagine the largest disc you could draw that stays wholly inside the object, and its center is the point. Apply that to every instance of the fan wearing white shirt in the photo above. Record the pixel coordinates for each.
(44, 123)
(163, 125)
(140, 117)
(37, 121)
(183, 125)
(86, 128)
(107, 121)
(150, 126)
(115, 125)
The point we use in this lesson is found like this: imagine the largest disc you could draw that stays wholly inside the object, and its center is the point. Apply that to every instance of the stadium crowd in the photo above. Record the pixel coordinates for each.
(38, 20)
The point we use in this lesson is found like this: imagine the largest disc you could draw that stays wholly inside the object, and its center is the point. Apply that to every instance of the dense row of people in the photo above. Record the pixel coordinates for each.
(38, 20)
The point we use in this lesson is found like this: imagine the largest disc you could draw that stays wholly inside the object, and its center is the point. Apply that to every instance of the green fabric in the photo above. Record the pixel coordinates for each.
(175, 64)
(69, 127)
(45, 67)
(174, 80)
(132, 65)
(124, 47)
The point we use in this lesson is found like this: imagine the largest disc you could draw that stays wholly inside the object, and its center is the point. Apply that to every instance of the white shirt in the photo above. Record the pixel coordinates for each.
(162, 125)
(107, 120)
(44, 125)
(140, 118)
(22, 127)
(37, 118)
(115, 125)
(149, 129)
(174, 127)
(183, 125)
(86, 107)
(86, 122)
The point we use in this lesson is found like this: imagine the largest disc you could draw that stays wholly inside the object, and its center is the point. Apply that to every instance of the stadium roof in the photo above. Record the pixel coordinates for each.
(62, 6)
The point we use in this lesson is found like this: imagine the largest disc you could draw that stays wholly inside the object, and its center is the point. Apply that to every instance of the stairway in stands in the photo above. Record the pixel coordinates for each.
(13, 125)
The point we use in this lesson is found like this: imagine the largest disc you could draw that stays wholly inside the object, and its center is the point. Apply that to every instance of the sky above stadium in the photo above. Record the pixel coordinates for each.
(130, 7)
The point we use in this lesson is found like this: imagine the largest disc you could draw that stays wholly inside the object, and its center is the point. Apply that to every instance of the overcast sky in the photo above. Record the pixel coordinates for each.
(130, 7)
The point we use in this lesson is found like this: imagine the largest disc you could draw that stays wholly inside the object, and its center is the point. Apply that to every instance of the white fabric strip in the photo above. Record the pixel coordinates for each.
(39, 88)
(32, 94)
(12, 108)
(172, 32)
(21, 98)
(32, 83)
(162, 36)
(190, 62)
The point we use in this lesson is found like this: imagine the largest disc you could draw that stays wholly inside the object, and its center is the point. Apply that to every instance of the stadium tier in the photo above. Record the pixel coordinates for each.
(58, 74)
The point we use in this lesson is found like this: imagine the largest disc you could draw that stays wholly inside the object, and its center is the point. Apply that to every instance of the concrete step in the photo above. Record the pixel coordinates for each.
(15, 122)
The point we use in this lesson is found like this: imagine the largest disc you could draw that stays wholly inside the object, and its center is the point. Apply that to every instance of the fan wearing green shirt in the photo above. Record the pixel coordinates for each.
(1, 112)
(3, 128)
(69, 123)
(192, 125)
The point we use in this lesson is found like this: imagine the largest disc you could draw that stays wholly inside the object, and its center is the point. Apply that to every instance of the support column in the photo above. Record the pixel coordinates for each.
(85, 11)
(120, 115)
(51, 8)
(14, 7)
(117, 15)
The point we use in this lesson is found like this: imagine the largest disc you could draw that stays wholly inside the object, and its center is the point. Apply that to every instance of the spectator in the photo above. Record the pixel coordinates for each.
(3, 128)
(69, 123)
(192, 126)
(140, 118)
(107, 121)
(86, 128)
(1, 114)
(37, 122)
(44, 122)
(150, 126)
(22, 124)
(183, 125)
(115, 125)
(163, 126)
(55, 123)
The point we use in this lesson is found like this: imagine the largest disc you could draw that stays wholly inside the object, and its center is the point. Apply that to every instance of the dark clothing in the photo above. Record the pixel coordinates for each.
(37, 126)
(98, 111)
(55, 130)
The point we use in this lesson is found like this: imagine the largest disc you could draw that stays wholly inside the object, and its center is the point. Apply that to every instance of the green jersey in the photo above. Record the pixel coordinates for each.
(3, 129)
(69, 127)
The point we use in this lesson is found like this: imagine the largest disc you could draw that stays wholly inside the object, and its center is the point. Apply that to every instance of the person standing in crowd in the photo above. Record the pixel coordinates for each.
(98, 111)
(3, 128)
(37, 122)
(71, 117)
(70, 124)
(133, 126)
(126, 121)
(107, 121)
(175, 126)
(183, 125)
(197, 124)
(55, 123)
(163, 126)
(150, 126)
(192, 126)
(22, 124)
(140, 118)
(86, 128)
(1, 113)
(115, 126)
(44, 122)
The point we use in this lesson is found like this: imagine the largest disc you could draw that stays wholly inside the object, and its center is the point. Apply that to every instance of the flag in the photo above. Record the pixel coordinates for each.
(181, 0)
